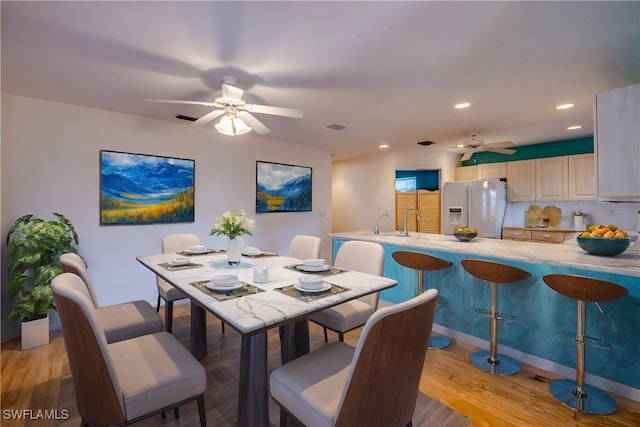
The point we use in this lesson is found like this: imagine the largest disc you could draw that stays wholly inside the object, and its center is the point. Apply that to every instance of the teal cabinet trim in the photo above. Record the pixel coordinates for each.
(535, 151)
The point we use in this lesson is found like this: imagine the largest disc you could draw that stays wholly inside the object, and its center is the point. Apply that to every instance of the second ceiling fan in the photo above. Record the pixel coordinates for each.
(474, 145)
(237, 118)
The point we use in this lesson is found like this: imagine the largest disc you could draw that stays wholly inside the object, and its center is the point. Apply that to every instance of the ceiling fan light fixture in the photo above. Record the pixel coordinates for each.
(232, 126)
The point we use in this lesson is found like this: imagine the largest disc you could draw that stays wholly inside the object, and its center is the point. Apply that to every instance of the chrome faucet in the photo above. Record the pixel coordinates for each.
(405, 232)
(376, 230)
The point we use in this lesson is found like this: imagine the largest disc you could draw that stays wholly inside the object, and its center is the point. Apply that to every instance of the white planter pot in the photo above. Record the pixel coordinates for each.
(35, 333)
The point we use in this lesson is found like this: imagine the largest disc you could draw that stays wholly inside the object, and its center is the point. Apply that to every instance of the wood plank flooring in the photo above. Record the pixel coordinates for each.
(32, 380)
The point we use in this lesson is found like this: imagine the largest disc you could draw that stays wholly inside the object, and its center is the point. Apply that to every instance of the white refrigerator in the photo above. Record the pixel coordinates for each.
(478, 204)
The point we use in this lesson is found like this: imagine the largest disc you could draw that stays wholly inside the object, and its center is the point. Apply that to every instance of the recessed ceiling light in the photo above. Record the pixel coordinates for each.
(383, 146)
(564, 106)
(462, 105)
(574, 127)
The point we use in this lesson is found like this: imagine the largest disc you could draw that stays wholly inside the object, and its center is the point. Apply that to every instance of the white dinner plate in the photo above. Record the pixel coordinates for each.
(179, 261)
(303, 267)
(251, 251)
(189, 251)
(323, 288)
(217, 288)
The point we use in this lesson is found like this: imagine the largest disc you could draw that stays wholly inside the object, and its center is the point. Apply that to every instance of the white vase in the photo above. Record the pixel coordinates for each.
(234, 250)
(35, 333)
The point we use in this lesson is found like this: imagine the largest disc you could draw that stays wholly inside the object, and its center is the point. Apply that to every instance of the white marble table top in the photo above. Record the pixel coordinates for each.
(263, 310)
(567, 254)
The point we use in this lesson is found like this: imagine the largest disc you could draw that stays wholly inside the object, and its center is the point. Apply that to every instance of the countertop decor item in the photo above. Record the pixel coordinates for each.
(602, 246)
(465, 236)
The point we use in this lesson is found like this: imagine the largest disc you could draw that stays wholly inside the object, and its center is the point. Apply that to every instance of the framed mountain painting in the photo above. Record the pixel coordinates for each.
(145, 189)
(282, 188)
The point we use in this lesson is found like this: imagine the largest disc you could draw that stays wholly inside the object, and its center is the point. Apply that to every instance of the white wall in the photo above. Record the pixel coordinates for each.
(364, 188)
(50, 163)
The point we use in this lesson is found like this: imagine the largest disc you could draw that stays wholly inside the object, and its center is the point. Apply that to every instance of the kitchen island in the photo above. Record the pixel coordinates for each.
(540, 312)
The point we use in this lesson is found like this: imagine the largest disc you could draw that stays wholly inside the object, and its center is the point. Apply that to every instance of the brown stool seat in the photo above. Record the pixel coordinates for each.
(494, 273)
(421, 263)
(576, 394)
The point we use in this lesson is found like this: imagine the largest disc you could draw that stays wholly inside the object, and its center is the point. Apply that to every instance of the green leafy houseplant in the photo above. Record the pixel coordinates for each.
(35, 246)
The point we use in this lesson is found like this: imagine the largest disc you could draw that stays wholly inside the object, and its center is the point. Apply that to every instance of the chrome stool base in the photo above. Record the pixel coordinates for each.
(595, 402)
(438, 343)
(505, 365)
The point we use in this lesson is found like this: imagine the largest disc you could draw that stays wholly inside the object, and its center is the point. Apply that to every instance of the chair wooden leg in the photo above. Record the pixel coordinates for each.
(168, 315)
(158, 305)
(222, 326)
(326, 339)
(283, 418)
(201, 412)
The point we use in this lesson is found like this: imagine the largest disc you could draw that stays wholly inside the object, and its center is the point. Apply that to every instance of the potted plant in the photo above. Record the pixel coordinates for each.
(35, 246)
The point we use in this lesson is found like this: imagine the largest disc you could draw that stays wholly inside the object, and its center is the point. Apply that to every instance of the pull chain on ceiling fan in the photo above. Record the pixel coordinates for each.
(237, 118)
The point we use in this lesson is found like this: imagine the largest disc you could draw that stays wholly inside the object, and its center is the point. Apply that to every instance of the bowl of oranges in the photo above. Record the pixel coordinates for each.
(607, 240)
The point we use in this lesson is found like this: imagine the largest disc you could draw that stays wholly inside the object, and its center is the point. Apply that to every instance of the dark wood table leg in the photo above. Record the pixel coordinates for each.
(253, 397)
(294, 340)
(198, 331)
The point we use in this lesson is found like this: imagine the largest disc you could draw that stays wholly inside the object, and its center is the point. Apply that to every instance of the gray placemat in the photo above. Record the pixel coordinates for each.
(310, 296)
(245, 290)
(207, 252)
(325, 273)
(170, 267)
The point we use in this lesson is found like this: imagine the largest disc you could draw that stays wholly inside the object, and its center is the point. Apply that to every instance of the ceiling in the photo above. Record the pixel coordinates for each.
(390, 72)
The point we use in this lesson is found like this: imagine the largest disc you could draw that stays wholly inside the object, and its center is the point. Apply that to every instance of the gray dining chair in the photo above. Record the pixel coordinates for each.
(305, 247)
(375, 384)
(166, 292)
(119, 321)
(365, 257)
(127, 381)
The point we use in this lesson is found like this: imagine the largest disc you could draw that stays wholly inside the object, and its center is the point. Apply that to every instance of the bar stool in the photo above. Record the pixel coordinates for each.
(494, 273)
(421, 263)
(576, 394)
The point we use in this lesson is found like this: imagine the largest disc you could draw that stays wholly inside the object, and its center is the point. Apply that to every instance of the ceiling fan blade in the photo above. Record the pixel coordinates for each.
(501, 144)
(254, 123)
(499, 150)
(231, 93)
(207, 118)
(277, 111)
(467, 155)
(177, 101)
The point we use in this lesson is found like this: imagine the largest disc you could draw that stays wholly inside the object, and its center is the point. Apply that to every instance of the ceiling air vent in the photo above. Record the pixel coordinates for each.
(336, 127)
(426, 143)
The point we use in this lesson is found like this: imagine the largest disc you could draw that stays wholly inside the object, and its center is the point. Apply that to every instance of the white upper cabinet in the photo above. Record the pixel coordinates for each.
(582, 177)
(467, 173)
(617, 144)
(521, 181)
(492, 170)
(552, 179)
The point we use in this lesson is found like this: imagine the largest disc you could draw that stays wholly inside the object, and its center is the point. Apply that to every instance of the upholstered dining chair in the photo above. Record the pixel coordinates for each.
(123, 382)
(365, 257)
(305, 247)
(119, 321)
(166, 292)
(375, 384)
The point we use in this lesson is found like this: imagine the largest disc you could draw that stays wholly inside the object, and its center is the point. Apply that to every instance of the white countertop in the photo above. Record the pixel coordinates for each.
(567, 254)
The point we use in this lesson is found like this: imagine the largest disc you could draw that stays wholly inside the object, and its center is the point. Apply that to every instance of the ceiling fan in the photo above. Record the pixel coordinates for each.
(474, 145)
(237, 118)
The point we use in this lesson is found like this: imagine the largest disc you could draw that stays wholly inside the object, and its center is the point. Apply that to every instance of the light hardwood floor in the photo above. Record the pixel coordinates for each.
(33, 379)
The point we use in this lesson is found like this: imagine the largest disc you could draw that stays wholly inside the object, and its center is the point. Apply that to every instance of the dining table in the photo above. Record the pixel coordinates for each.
(252, 307)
